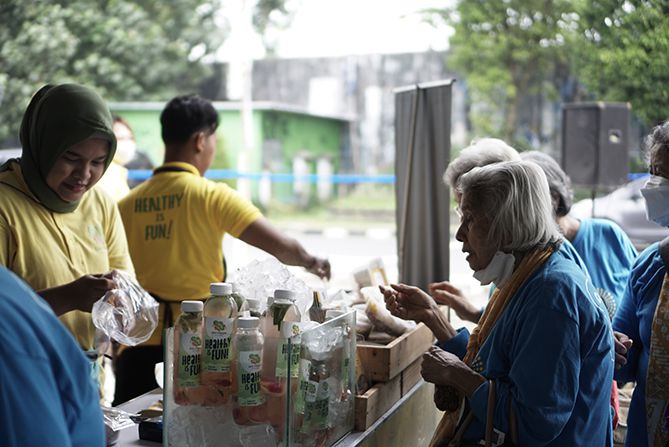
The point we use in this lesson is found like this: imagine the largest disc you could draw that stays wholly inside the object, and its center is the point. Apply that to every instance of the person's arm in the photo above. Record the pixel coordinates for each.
(263, 235)
(447, 294)
(626, 322)
(79, 294)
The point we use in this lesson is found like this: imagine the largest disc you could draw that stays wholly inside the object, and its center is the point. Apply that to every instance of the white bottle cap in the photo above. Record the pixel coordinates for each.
(220, 288)
(253, 304)
(280, 294)
(248, 322)
(191, 306)
(235, 286)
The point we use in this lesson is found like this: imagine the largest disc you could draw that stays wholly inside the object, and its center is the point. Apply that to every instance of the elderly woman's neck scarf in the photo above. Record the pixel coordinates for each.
(57, 118)
(657, 379)
(493, 312)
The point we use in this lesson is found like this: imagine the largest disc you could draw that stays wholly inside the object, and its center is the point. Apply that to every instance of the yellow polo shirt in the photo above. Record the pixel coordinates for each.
(49, 249)
(175, 223)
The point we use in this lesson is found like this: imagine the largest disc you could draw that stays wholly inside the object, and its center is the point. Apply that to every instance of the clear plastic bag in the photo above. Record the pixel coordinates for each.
(127, 314)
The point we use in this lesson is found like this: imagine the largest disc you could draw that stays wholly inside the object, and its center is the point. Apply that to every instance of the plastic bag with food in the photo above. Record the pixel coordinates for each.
(127, 314)
(381, 317)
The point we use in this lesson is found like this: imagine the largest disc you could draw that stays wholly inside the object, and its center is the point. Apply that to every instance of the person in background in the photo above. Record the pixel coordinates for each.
(642, 319)
(115, 180)
(175, 223)
(58, 233)
(47, 397)
(606, 250)
(542, 354)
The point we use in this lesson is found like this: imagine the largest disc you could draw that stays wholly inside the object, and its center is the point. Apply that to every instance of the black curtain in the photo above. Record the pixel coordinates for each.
(422, 152)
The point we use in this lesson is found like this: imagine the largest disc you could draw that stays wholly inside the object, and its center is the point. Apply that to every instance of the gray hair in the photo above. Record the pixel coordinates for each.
(479, 153)
(559, 182)
(514, 198)
(657, 141)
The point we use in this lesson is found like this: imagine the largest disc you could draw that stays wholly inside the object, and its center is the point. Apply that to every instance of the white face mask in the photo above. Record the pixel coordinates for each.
(656, 194)
(498, 271)
(125, 151)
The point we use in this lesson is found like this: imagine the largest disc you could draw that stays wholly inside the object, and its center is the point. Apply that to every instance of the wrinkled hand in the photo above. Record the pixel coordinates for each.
(622, 344)
(88, 289)
(320, 267)
(447, 294)
(409, 303)
(446, 369)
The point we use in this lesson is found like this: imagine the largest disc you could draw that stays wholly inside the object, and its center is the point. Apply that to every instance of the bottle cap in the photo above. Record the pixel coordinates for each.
(220, 288)
(253, 304)
(280, 294)
(192, 306)
(235, 286)
(270, 300)
(248, 322)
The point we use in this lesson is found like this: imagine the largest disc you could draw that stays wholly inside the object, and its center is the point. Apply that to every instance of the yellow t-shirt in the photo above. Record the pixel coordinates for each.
(49, 249)
(175, 223)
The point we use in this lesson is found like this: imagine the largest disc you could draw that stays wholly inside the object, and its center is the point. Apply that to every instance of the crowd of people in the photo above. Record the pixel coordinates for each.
(573, 311)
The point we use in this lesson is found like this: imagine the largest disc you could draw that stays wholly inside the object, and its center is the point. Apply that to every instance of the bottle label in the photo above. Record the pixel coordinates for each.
(250, 365)
(190, 344)
(282, 359)
(304, 383)
(316, 405)
(218, 332)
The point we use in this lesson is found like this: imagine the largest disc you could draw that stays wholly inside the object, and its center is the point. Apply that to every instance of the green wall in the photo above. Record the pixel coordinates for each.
(297, 133)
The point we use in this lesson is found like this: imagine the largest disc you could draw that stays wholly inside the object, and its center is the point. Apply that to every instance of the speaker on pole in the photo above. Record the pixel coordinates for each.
(595, 140)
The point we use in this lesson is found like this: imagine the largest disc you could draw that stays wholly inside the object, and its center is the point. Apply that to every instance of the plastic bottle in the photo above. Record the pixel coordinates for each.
(282, 309)
(316, 394)
(220, 312)
(187, 347)
(248, 399)
(239, 299)
(316, 311)
(253, 307)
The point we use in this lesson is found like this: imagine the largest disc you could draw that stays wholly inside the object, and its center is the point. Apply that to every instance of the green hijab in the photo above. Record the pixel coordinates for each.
(57, 118)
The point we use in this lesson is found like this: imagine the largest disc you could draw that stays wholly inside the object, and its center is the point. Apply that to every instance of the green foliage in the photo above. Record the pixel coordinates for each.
(622, 54)
(126, 50)
(506, 50)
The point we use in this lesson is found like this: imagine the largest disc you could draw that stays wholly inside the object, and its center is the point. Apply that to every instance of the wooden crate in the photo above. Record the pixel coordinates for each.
(383, 363)
(370, 406)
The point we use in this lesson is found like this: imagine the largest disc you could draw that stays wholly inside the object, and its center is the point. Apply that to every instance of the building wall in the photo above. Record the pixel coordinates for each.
(361, 86)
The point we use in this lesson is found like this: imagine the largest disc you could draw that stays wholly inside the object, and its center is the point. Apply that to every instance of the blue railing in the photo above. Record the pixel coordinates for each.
(347, 179)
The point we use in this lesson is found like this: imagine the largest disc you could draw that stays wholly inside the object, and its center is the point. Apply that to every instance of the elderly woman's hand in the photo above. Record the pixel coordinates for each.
(409, 303)
(443, 368)
(447, 294)
(622, 344)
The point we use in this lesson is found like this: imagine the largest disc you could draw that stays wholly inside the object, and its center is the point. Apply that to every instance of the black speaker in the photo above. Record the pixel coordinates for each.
(595, 140)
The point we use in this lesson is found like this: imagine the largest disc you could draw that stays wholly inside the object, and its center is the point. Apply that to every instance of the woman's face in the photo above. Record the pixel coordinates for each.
(78, 169)
(659, 165)
(473, 233)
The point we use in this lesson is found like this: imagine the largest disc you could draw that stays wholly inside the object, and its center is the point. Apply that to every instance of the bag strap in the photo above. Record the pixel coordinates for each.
(490, 413)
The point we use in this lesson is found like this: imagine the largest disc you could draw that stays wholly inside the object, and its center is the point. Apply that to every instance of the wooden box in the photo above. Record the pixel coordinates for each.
(370, 406)
(381, 363)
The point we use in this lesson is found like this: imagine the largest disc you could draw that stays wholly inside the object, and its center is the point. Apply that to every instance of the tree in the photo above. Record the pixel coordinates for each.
(622, 54)
(505, 51)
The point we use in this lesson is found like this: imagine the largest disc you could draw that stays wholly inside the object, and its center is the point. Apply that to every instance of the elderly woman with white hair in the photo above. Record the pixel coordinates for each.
(482, 152)
(539, 365)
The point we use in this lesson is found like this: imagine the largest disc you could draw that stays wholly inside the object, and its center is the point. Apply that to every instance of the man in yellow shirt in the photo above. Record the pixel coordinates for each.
(175, 223)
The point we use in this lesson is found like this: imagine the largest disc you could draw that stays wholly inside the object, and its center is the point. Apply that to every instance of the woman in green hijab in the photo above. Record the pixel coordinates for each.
(57, 232)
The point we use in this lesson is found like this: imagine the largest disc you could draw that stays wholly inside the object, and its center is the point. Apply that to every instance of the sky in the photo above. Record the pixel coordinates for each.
(331, 28)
